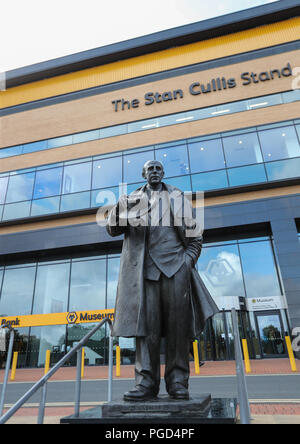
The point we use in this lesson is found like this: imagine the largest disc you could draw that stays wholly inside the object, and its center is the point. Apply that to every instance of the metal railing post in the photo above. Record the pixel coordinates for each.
(41, 413)
(7, 367)
(78, 383)
(110, 368)
(245, 415)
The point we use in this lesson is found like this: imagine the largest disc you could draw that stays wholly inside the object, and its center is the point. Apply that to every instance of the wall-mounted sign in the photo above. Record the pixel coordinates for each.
(197, 88)
(267, 303)
(71, 318)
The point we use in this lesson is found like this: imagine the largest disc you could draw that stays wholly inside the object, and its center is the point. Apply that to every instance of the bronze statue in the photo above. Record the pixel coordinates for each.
(160, 293)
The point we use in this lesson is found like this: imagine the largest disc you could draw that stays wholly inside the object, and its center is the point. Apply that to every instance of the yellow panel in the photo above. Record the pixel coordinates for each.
(198, 52)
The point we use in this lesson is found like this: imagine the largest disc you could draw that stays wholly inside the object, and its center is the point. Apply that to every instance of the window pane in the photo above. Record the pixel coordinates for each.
(17, 291)
(3, 186)
(174, 160)
(107, 172)
(48, 183)
(209, 181)
(284, 169)
(279, 143)
(243, 149)
(76, 201)
(20, 187)
(291, 96)
(207, 155)
(88, 285)
(247, 175)
(108, 196)
(46, 338)
(12, 151)
(45, 206)
(298, 130)
(183, 183)
(35, 146)
(16, 211)
(263, 102)
(77, 178)
(86, 136)
(51, 291)
(112, 281)
(220, 269)
(113, 131)
(59, 141)
(133, 165)
(142, 126)
(259, 269)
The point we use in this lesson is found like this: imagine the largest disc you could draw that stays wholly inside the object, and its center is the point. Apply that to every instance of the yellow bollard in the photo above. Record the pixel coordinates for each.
(246, 356)
(82, 362)
(118, 360)
(14, 366)
(47, 361)
(291, 353)
(196, 357)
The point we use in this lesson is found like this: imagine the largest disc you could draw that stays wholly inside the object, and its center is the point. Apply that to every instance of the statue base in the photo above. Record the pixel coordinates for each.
(199, 409)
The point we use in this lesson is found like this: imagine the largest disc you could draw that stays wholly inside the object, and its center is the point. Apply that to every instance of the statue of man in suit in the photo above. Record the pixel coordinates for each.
(160, 293)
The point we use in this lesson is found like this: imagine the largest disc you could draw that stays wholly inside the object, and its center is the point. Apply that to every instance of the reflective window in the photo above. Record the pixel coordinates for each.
(86, 136)
(133, 165)
(283, 169)
(209, 181)
(51, 290)
(48, 183)
(183, 183)
(20, 187)
(259, 269)
(35, 146)
(220, 269)
(291, 96)
(142, 125)
(16, 210)
(207, 155)
(108, 196)
(113, 265)
(43, 339)
(298, 129)
(265, 101)
(12, 151)
(41, 207)
(77, 178)
(59, 141)
(75, 201)
(3, 186)
(174, 160)
(107, 172)
(242, 149)
(279, 143)
(246, 175)
(88, 285)
(17, 291)
(113, 131)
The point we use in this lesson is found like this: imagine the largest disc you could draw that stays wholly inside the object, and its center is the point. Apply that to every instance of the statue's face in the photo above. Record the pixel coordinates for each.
(153, 173)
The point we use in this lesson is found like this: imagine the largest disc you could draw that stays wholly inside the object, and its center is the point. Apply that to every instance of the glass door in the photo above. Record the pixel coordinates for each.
(271, 334)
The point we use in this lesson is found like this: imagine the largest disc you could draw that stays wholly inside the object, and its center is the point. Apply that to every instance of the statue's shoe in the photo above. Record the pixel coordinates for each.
(178, 391)
(139, 393)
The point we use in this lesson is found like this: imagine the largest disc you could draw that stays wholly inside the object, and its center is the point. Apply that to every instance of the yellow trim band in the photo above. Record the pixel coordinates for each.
(244, 41)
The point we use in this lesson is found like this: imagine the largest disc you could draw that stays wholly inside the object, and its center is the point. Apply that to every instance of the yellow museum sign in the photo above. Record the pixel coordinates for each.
(71, 318)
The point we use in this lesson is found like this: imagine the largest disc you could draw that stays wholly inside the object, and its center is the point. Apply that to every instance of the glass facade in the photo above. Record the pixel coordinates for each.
(245, 267)
(220, 161)
(144, 125)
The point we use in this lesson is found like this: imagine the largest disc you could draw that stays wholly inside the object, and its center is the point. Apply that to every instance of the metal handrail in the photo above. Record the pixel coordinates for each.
(42, 382)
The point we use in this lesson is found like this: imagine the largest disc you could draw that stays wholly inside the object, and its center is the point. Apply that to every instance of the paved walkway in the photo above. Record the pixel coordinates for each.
(262, 412)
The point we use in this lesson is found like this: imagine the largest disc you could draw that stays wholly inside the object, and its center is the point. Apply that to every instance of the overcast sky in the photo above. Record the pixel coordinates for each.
(32, 31)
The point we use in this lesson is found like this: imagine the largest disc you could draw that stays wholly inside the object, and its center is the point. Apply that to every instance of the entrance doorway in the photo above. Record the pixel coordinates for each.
(271, 334)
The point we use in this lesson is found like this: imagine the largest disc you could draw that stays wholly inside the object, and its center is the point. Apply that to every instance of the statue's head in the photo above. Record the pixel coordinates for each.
(153, 172)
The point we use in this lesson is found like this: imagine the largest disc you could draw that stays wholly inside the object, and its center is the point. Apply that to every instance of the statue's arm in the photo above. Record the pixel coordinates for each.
(113, 226)
(193, 249)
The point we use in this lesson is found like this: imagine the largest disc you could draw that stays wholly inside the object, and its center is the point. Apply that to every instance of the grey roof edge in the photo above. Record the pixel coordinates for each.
(182, 35)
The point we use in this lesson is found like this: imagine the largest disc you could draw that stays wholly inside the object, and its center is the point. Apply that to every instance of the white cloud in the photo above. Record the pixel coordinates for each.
(32, 31)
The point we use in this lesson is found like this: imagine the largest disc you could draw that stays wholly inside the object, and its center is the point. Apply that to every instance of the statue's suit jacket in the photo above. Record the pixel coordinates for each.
(130, 319)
